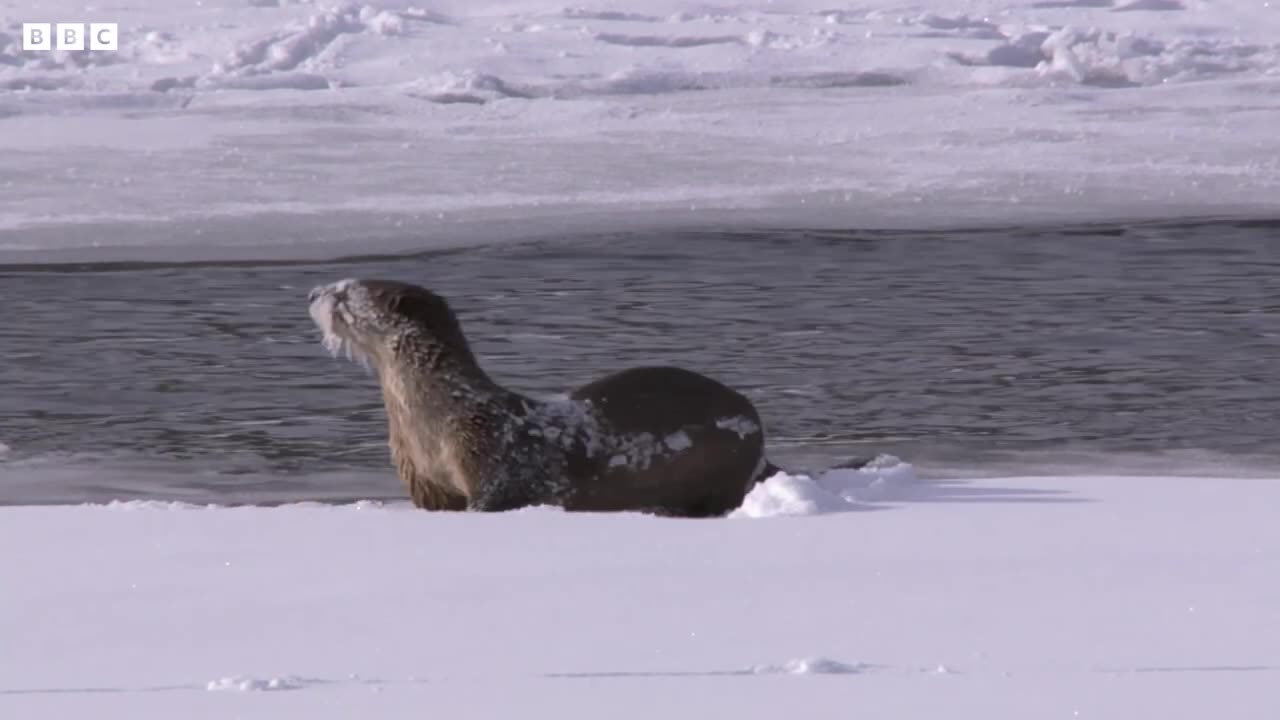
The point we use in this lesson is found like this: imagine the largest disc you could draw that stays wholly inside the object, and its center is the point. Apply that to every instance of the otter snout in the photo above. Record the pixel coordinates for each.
(331, 308)
(323, 303)
(336, 290)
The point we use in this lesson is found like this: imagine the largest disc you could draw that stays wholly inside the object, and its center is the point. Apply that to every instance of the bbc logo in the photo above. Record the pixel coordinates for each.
(69, 36)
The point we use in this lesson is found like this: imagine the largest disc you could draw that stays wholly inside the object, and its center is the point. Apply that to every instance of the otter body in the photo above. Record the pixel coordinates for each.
(652, 439)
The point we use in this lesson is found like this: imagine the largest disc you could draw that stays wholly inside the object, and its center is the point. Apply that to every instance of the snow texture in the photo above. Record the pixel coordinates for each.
(832, 491)
(247, 684)
(743, 426)
(1019, 597)
(386, 126)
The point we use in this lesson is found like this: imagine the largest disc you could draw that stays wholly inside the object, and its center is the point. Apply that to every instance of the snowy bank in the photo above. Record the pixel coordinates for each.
(389, 125)
(1091, 597)
(885, 477)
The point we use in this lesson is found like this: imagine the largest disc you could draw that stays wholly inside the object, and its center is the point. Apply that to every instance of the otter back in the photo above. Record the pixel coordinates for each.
(682, 444)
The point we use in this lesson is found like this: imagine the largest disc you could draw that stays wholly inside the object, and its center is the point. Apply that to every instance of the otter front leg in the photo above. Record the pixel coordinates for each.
(506, 490)
(503, 496)
(502, 500)
(431, 497)
(426, 494)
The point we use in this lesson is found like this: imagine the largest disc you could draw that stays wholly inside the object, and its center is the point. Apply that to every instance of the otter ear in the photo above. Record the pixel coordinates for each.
(406, 305)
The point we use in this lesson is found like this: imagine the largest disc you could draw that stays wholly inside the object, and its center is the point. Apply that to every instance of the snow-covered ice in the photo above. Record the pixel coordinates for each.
(386, 125)
(1015, 597)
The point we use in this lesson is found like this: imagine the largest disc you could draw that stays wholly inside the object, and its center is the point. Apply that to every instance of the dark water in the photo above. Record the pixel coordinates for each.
(1063, 349)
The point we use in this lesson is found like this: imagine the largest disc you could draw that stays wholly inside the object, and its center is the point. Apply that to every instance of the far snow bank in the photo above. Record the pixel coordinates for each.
(350, 123)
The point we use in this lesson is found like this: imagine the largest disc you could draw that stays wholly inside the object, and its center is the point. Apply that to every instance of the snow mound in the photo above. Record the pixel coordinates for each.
(466, 86)
(307, 44)
(1105, 58)
(836, 490)
(240, 683)
(810, 666)
(785, 494)
(1112, 59)
(139, 505)
(297, 45)
(358, 505)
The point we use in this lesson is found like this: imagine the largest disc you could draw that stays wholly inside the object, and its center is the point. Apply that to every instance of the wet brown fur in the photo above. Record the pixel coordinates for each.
(450, 427)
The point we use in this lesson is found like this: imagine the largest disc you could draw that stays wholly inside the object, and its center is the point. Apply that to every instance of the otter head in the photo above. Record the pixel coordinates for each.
(386, 324)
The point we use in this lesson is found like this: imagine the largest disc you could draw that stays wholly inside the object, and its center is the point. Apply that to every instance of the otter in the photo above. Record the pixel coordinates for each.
(660, 439)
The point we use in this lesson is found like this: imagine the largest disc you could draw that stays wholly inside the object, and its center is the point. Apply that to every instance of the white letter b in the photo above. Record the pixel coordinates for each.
(37, 36)
(70, 36)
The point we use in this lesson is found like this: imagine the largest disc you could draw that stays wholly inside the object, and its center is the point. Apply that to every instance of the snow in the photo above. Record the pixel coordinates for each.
(836, 490)
(743, 426)
(678, 441)
(242, 129)
(1011, 597)
(244, 684)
